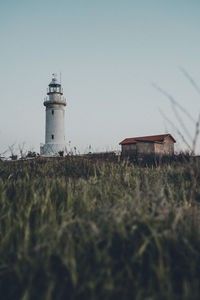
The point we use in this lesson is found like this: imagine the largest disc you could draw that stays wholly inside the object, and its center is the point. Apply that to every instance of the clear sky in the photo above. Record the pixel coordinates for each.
(109, 53)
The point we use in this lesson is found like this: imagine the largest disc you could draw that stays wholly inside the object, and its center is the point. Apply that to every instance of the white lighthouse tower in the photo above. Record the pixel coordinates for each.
(54, 127)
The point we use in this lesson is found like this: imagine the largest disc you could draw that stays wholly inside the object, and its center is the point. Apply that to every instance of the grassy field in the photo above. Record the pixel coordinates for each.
(77, 228)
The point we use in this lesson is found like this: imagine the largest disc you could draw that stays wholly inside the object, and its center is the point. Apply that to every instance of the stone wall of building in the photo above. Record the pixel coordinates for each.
(166, 148)
(129, 149)
(145, 148)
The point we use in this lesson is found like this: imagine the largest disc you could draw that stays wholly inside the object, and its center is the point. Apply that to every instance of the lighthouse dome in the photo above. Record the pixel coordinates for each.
(54, 82)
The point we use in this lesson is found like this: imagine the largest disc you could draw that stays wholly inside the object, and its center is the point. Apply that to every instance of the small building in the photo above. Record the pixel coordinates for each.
(148, 145)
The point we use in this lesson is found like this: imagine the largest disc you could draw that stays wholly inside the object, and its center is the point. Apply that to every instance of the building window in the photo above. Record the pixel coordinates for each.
(52, 136)
(162, 147)
(169, 147)
(52, 112)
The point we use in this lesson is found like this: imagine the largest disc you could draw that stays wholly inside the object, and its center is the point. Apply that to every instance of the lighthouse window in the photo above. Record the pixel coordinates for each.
(52, 112)
(52, 136)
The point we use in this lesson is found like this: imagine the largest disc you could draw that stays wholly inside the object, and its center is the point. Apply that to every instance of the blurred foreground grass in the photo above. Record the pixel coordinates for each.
(81, 229)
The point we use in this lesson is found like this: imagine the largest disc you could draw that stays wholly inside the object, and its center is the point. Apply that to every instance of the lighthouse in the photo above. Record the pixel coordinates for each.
(54, 124)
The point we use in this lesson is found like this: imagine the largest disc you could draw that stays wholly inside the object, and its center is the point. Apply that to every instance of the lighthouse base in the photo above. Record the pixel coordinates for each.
(52, 150)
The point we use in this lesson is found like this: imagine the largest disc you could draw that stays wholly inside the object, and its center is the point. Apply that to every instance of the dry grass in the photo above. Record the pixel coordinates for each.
(82, 229)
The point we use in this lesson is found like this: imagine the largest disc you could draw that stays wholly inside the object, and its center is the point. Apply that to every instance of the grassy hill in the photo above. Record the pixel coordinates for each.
(77, 228)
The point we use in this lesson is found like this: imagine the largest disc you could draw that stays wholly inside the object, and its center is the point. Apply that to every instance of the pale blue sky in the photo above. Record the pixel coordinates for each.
(109, 53)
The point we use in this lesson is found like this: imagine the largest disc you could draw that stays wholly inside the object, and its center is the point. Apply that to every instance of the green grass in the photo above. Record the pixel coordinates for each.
(76, 228)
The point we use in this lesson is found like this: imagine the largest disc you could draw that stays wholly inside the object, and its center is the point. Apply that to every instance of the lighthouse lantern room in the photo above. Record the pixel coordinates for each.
(54, 126)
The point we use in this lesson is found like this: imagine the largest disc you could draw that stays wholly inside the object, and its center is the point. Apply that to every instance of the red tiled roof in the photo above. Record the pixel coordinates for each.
(152, 138)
